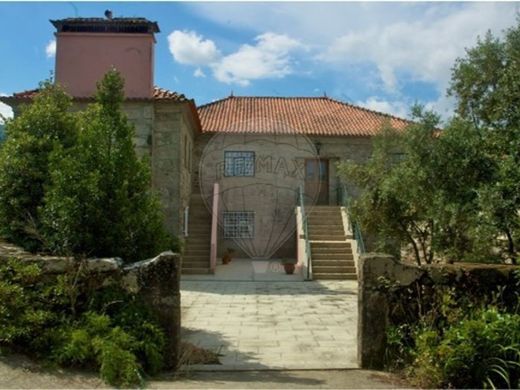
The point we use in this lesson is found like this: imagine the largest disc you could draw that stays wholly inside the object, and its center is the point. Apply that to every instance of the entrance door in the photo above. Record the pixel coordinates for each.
(317, 180)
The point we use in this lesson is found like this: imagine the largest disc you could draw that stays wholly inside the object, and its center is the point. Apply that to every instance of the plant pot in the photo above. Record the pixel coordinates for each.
(226, 259)
(289, 268)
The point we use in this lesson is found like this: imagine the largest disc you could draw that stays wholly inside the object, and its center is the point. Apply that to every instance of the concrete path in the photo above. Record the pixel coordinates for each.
(272, 325)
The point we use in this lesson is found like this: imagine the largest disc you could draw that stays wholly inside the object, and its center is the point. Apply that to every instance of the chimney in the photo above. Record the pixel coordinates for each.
(86, 48)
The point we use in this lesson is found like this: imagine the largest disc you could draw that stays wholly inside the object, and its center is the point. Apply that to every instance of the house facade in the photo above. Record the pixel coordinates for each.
(234, 173)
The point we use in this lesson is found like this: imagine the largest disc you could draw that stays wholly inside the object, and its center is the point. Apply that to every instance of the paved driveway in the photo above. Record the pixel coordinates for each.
(273, 325)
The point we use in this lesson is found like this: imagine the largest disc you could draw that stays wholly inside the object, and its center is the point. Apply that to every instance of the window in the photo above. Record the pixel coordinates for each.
(239, 163)
(239, 224)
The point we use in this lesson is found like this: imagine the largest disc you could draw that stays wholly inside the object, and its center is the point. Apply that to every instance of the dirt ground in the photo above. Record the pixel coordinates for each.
(19, 372)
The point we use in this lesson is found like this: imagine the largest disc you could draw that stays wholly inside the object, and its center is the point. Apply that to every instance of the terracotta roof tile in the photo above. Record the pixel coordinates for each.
(158, 94)
(288, 115)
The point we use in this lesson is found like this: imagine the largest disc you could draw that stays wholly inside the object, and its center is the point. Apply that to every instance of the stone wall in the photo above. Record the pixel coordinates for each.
(334, 149)
(156, 281)
(172, 139)
(385, 286)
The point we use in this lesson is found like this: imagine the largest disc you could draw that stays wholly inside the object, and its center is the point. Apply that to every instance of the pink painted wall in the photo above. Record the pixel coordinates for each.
(83, 58)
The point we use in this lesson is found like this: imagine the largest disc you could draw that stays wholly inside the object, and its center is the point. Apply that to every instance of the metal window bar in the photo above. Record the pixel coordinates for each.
(239, 163)
(239, 224)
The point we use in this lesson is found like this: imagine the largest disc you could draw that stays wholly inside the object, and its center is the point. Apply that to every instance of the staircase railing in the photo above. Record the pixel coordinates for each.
(308, 257)
(214, 228)
(186, 220)
(345, 201)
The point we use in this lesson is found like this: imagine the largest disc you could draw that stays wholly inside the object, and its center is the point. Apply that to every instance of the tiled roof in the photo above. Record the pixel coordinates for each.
(158, 94)
(288, 115)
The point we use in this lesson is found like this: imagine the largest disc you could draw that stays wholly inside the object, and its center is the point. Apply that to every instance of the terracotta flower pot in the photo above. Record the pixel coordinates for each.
(289, 268)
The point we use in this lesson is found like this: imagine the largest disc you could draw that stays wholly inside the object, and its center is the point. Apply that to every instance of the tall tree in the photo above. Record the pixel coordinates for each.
(486, 84)
(100, 200)
(24, 162)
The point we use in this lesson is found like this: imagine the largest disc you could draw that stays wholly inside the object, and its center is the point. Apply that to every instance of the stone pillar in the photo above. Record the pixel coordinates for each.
(373, 305)
(157, 282)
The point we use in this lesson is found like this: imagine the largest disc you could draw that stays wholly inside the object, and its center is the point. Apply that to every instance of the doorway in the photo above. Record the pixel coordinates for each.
(317, 180)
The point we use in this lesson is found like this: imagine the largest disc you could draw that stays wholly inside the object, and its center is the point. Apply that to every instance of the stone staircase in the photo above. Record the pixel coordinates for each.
(195, 260)
(331, 253)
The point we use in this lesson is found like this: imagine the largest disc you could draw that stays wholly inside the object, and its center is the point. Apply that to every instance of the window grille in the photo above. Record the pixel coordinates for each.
(239, 163)
(239, 224)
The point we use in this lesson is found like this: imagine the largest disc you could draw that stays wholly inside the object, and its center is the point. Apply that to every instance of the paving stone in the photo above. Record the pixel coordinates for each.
(266, 325)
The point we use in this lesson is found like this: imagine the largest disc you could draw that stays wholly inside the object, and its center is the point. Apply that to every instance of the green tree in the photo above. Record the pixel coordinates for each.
(486, 84)
(100, 200)
(395, 202)
(24, 162)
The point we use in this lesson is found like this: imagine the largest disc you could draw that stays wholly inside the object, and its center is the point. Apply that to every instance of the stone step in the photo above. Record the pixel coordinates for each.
(196, 251)
(331, 245)
(195, 264)
(334, 276)
(327, 237)
(325, 228)
(195, 271)
(328, 230)
(327, 269)
(325, 223)
(333, 263)
(339, 256)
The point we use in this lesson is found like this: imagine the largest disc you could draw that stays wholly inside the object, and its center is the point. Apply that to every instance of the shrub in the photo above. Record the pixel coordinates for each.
(65, 321)
(24, 162)
(479, 352)
(99, 201)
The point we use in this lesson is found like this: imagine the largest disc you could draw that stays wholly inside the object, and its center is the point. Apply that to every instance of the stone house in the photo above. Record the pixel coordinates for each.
(256, 174)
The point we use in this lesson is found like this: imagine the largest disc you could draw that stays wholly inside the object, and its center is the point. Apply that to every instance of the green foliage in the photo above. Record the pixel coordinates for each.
(67, 322)
(99, 200)
(455, 194)
(486, 84)
(24, 162)
(479, 352)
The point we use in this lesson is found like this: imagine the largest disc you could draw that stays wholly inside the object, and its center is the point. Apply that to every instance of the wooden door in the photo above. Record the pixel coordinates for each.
(317, 180)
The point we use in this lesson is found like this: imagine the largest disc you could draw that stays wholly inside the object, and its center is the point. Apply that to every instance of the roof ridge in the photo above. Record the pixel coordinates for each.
(367, 109)
(355, 106)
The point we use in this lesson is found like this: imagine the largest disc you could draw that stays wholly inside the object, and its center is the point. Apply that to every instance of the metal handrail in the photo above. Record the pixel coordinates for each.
(344, 200)
(305, 232)
(186, 220)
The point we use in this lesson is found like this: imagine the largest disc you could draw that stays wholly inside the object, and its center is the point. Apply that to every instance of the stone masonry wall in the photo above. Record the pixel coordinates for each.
(172, 144)
(383, 282)
(156, 281)
(334, 149)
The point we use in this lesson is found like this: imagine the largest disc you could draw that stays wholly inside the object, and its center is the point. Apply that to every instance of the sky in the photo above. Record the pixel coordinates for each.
(383, 56)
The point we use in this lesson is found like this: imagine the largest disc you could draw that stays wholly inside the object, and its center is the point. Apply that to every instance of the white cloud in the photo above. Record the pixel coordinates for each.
(199, 73)
(189, 48)
(397, 108)
(5, 110)
(50, 49)
(268, 58)
(425, 47)
(404, 42)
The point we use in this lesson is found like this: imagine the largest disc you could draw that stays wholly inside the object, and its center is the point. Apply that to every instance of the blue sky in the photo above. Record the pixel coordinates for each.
(384, 56)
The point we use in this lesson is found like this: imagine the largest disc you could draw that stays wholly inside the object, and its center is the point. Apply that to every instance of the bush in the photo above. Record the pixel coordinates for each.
(67, 322)
(99, 201)
(24, 162)
(481, 352)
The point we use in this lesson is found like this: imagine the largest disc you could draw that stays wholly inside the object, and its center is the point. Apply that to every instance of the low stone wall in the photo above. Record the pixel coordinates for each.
(385, 286)
(156, 281)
